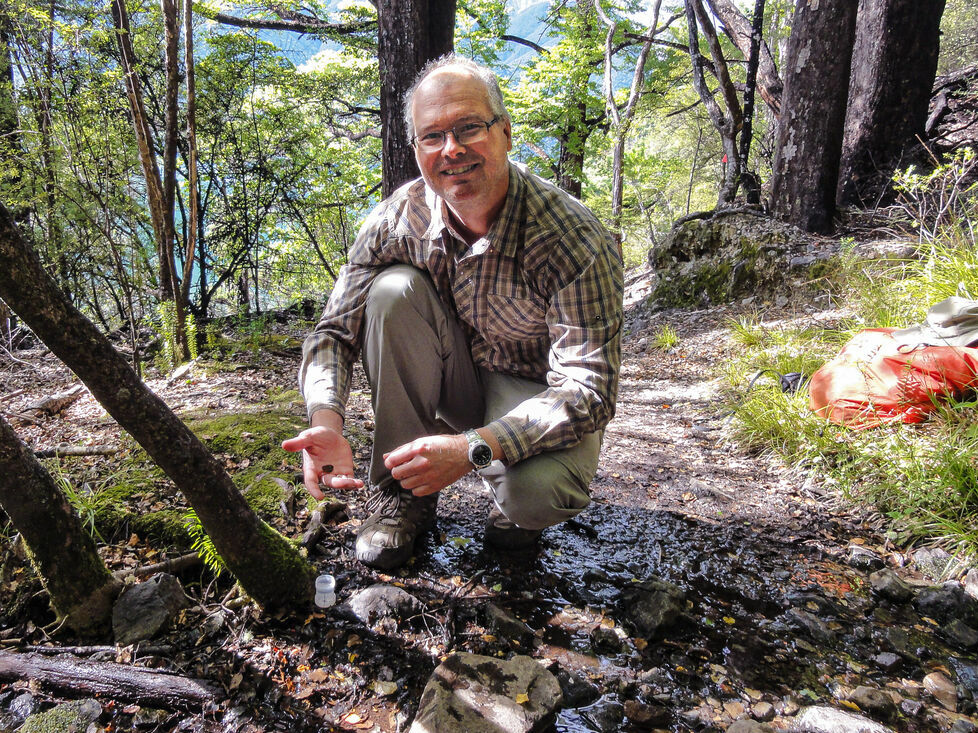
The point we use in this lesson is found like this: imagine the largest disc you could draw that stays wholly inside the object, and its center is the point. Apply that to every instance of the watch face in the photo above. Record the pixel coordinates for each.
(482, 455)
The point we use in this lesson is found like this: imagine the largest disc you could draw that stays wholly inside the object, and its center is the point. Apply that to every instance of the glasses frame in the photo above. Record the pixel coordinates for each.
(416, 140)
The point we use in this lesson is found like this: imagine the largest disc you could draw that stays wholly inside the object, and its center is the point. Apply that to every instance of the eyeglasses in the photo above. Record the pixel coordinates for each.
(466, 133)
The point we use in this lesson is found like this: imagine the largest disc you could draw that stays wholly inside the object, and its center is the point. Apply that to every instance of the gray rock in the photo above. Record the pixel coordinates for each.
(23, 706)
(577, 690)
(970, 582)
(943, 690)
(144, 609)
(763, 711)
(946, 602)
(745, 725)
(65, 718)
(652, 605)
(478, 694)
(506, 626)
(962, 726)
(874, 702)
(961, 635)
(890, 586)
(888, 661)
(818, 629)
(933, 563)
(863, 558)
(823, 719)
(911, 708)
(381, 601)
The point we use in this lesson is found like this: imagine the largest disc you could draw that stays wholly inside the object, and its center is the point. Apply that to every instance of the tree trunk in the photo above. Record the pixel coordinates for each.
(743, 33)
(82, 589)
(809, 147)
(894, 64)
(264, 562)
(410, 33)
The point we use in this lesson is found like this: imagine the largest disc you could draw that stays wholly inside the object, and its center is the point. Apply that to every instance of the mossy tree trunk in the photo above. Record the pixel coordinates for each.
(268, 567)
(81, 587)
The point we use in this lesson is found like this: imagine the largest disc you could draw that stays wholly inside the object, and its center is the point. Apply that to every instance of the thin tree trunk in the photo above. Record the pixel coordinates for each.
(193, 203)
(267, 566)
(82, 589)
(726, 124)
(809, 147)
(749, 181)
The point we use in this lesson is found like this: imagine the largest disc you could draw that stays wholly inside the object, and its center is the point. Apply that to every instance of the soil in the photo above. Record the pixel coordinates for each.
(752, 543)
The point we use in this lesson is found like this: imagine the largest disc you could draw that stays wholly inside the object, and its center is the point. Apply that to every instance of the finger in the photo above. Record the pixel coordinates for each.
(343, 482)
(296, 444)
(425, 490)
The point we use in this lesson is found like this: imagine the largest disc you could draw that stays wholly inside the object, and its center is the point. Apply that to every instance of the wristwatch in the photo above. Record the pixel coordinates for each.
(480, 454)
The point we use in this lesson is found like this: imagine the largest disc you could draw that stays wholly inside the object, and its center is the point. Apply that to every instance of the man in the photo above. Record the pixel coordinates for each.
(487, 305)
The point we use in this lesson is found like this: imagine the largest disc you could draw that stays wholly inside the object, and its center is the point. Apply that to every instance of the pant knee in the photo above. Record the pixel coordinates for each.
(390, 290)
(540, 507)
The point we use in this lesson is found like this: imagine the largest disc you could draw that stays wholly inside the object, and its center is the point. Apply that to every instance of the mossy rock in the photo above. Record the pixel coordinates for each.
(724, 255)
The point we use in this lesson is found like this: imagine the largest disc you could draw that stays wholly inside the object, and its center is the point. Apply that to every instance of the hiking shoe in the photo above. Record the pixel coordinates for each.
(502, 534)
(398, 517)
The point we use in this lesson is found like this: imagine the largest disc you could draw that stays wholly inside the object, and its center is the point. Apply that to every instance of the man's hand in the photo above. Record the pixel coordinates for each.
(429, 464)
(326, 457)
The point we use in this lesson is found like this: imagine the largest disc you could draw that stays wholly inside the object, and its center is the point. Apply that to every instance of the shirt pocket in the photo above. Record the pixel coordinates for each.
(513, 318)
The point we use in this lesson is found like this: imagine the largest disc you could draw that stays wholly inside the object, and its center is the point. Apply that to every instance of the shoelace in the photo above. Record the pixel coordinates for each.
(386, 497)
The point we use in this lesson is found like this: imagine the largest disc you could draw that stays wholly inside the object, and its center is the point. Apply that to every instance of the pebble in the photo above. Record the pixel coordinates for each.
(943, 690)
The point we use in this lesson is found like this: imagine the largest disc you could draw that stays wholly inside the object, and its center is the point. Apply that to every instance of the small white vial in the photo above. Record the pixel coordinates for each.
(325, 591)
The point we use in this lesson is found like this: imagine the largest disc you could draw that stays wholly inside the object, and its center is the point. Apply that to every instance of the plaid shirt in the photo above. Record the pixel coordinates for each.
(540, 296)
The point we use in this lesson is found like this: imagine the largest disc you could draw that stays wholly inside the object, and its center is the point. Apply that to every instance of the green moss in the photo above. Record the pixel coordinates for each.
(65, 717)
(251, 439)
(284, 566)
(263, 492)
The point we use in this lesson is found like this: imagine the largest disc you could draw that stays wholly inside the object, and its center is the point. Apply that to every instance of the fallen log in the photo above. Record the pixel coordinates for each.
(149, 688)
(77, 450)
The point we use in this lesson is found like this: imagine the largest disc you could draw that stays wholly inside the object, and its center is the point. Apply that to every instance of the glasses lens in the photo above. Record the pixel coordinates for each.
(432, 141)
(471, 132)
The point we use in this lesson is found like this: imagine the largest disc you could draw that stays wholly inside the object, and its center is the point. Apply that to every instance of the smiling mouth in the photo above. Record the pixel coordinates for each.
(458, 171)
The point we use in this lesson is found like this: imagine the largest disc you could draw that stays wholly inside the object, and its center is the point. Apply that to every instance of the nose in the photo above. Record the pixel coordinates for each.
(451, 146)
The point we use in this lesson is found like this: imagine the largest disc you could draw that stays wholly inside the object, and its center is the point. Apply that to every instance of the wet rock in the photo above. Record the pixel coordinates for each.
(146, 608)
(967, 676)
(933, 563)
(815, 627)
(947, 602)
(959, 634)
(605, 716)
(746, 725)
(888, 661)
(605, 640)
(897, 640)
(763, 711)
(576, 690)
(481, 694)
(69, 716)
(652, 605)
(822, 719)
(19, 709)
(506, 626)
(911, 708)
(943, 690)
(381, 601)
(643, 715)
(874, 702)
(862, 558)
(890, 586)
(963, 726)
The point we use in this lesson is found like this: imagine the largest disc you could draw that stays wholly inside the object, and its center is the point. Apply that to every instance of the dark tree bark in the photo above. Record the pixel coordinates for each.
(82, 589)
(743, 34)
(894, 64)
(809, 147)
(267, 566)
(410, 33)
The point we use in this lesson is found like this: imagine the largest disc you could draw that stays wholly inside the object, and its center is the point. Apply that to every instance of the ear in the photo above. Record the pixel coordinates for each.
(508, 132)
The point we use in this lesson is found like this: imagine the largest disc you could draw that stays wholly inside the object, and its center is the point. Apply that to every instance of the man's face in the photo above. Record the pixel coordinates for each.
(473, 179)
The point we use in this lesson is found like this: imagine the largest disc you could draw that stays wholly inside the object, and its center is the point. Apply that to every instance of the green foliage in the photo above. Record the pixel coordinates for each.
(203, 545)
(665, 338)
(84, 499)
(924, 477)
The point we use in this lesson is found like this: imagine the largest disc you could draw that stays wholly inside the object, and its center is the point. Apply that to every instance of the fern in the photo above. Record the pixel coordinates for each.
(203, 545)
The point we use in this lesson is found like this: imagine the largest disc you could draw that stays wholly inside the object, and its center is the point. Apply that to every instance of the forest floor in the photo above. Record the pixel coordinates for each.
(781, 618)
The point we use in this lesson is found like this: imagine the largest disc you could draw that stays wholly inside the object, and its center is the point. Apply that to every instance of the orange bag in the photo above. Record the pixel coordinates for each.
(876, 380)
